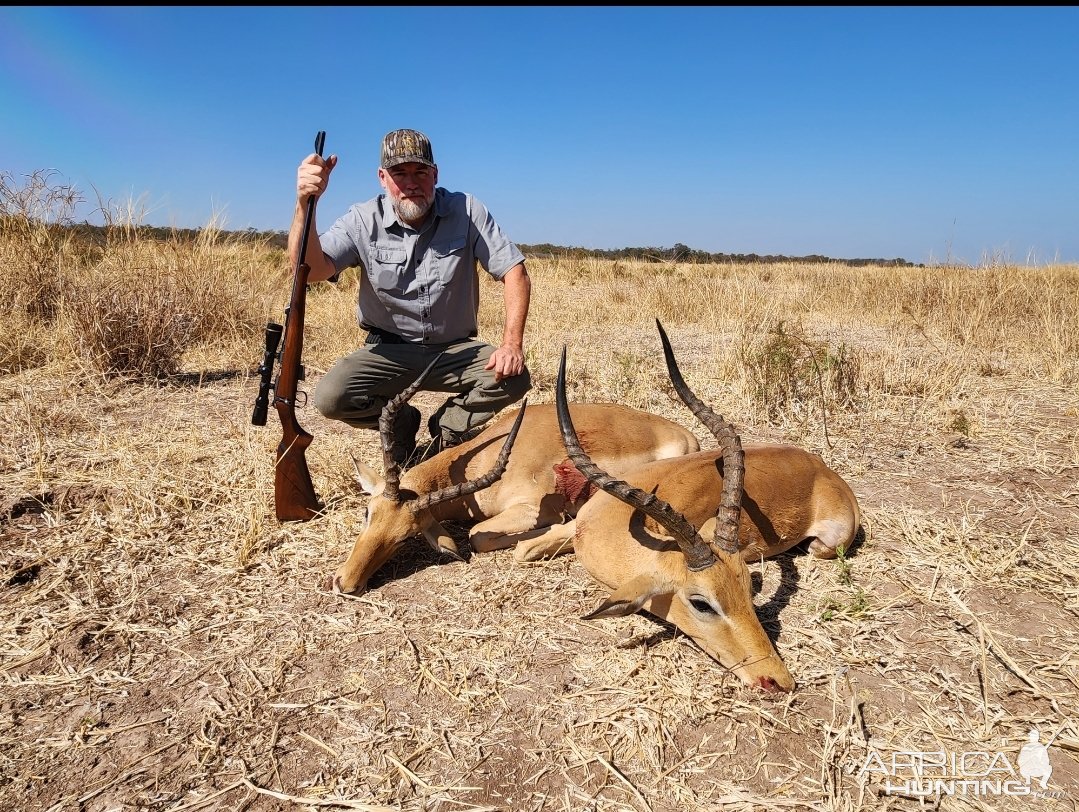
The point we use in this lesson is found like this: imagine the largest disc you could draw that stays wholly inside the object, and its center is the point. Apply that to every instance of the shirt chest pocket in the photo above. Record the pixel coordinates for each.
(449, 256)
(388, 267)
(448, 248)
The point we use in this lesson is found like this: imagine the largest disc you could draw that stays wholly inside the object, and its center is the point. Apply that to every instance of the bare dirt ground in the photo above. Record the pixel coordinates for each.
(165, 644)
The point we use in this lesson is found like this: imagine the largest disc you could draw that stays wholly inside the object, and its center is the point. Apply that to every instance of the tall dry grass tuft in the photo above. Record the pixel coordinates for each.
(36, 241)
(789, 372)
(123, 303)
(146, 303)
(36, 246)
(132, 330)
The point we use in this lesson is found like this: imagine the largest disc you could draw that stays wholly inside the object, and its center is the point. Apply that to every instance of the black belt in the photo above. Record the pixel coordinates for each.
(376, 336)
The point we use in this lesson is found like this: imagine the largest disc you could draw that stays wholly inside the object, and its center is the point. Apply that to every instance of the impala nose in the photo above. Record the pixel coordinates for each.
(338, 584)
(768, 684)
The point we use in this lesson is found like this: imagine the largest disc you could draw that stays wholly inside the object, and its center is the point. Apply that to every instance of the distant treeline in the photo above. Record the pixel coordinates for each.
(679, 253)
(683, 253)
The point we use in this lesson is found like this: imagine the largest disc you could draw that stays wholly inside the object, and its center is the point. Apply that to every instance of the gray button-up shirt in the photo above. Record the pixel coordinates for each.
(421, 285)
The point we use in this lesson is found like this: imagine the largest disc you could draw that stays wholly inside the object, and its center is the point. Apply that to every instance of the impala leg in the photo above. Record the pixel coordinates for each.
(555, 540)
(829, 535)
(505, 529)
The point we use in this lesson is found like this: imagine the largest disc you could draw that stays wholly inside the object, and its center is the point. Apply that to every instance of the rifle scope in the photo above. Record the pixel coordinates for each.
(273, 338)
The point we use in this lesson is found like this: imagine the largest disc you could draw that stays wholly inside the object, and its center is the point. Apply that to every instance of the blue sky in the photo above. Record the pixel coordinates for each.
(931, 134)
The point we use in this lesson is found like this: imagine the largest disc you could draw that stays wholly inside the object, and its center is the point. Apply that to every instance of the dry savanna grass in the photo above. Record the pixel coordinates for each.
(166, 644)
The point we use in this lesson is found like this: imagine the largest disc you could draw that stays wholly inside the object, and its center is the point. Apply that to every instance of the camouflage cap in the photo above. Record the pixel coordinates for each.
(404, 146)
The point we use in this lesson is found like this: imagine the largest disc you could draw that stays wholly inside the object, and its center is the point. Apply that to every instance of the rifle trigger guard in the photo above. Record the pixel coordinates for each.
(298, 403)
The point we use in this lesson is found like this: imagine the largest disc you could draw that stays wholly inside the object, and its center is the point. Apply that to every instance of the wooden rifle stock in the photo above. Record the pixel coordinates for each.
(294, 495)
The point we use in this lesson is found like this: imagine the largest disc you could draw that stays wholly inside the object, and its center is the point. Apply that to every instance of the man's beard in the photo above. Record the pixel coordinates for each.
(412, 210)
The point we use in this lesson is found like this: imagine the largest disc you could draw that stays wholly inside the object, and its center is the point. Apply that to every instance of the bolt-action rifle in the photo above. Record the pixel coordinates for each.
(294, 495)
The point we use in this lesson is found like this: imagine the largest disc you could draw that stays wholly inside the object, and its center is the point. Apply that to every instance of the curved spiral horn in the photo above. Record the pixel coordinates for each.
(385, 430)
(463, 489)
(698, 554)
(734, 466)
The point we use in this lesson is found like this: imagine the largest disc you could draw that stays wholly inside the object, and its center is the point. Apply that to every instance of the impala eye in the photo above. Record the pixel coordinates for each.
(702, 606)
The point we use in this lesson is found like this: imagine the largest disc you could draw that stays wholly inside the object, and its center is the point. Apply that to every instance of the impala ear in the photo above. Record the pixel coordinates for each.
(440, 540)
(628, 598)
(370, 480)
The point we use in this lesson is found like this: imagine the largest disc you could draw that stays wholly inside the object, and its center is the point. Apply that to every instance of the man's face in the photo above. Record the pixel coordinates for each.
(411, 187)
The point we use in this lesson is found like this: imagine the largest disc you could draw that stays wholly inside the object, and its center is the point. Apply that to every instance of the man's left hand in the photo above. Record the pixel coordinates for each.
(506, 361)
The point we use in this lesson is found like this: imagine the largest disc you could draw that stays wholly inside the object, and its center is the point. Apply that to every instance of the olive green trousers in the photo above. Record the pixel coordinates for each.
(359, 385)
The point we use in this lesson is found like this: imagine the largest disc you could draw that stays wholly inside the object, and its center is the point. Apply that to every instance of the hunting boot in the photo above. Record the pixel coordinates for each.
(405, 426)
(441, 438)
